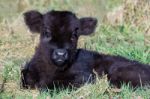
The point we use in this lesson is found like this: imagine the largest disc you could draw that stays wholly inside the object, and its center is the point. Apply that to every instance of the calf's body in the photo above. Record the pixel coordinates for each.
(58, 62)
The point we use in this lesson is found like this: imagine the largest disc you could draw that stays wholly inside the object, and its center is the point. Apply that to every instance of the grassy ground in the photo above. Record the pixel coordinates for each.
(128, 39)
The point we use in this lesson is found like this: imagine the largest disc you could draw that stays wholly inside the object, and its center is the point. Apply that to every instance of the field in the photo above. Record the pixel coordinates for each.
(123, 29)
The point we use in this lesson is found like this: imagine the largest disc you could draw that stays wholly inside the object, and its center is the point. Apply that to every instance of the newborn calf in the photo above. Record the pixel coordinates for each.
(57, 61)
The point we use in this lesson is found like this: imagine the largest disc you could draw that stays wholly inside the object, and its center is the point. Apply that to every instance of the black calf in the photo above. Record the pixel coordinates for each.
(57, 61)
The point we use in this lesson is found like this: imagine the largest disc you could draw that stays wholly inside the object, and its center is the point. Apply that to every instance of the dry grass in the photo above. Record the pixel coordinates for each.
(137, 13)
(17, 44)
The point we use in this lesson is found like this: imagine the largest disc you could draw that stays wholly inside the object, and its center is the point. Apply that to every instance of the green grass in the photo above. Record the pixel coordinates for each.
(18, 46)
(120, 40)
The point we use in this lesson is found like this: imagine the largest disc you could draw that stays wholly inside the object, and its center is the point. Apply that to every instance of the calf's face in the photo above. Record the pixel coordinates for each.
(59, 32)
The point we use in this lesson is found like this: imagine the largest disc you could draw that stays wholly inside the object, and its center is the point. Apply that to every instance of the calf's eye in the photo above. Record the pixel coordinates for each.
(47, 36)
(74, 37)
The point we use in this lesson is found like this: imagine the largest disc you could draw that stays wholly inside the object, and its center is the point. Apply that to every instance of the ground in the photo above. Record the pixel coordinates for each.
(123, 29)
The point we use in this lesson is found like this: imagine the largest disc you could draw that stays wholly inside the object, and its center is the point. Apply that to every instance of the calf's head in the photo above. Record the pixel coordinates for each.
(59, 32)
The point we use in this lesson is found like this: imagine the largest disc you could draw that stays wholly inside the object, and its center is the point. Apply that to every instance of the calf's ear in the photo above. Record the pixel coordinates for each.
(87, 25)
(33, 20)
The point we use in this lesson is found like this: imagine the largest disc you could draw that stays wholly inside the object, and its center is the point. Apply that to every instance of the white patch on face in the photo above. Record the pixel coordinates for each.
(60, 53)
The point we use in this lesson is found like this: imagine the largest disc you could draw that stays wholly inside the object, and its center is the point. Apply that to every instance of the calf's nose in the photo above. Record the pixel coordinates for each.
(60, 53)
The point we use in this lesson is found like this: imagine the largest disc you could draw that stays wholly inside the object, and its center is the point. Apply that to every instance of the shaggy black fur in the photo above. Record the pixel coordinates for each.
(58, 62)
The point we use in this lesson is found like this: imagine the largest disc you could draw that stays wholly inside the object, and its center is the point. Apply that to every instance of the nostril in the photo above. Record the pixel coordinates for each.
(65, 55)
